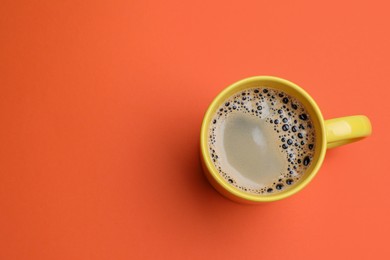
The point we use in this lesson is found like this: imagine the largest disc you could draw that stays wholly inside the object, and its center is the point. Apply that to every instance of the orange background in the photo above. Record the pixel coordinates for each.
(101, 104)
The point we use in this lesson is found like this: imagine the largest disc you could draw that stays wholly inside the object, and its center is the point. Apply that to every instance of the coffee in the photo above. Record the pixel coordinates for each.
(261, 140)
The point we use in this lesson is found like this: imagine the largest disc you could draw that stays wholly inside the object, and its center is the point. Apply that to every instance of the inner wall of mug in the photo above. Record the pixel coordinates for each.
(289, 88)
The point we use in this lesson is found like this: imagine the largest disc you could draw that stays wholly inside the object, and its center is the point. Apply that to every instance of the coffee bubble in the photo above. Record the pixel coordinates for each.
(303, 116)
(279, 186)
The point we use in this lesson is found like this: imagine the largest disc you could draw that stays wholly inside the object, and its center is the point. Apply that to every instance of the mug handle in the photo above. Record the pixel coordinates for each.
(345, 130)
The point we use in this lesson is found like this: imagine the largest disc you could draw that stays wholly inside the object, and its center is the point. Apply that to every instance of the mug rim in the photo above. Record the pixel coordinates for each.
(210, 166)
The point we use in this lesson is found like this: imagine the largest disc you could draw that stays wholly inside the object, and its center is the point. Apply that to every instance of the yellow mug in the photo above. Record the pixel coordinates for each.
(329, 134)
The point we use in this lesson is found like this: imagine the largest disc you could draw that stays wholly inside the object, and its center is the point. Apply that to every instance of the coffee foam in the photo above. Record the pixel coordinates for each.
(281, 119)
